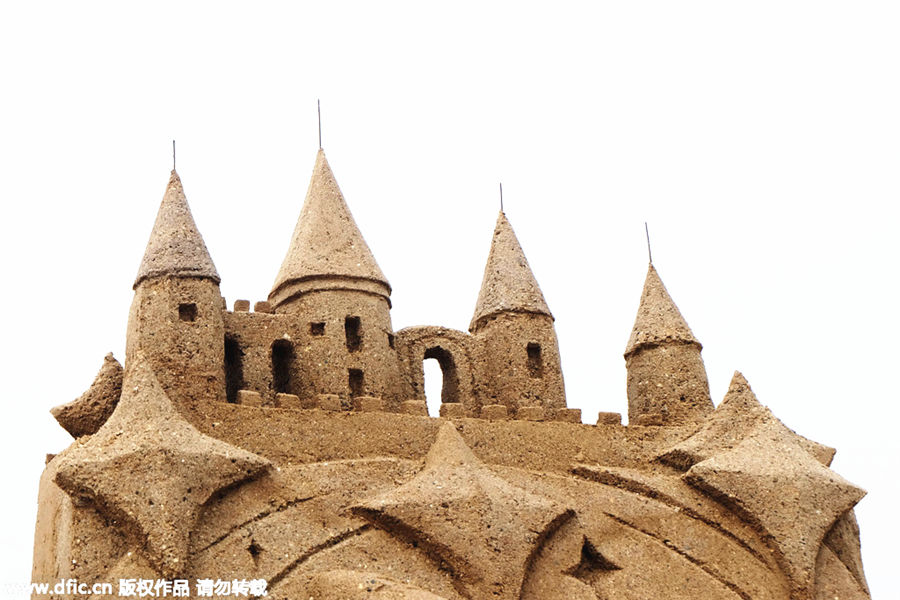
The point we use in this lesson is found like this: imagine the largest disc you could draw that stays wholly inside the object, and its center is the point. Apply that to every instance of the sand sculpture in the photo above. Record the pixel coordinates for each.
(292, 444)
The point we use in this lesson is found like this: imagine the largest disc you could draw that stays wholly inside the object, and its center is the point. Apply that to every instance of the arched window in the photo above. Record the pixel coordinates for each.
(234, 368)
(282, 366)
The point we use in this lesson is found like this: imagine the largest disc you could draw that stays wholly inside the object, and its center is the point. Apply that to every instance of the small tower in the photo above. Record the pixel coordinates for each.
(666, 376)
(176, 319)
(330, 279)
(513, 327)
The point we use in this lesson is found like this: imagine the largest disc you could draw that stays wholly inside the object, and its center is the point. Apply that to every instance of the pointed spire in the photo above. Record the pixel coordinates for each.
(508, 284)
(326, 240)
(176, 248)
(658, 319)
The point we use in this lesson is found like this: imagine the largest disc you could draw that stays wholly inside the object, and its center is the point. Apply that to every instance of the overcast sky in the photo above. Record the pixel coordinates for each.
(758, 139)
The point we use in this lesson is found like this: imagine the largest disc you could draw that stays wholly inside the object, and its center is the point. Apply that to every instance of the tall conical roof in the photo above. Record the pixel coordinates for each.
(326, 241)
(176, 248)
(508, 284)
(658, 319)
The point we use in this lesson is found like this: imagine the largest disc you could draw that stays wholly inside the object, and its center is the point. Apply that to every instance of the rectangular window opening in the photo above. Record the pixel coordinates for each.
(317, 328)
(357, 383)
(535, 361)
(352, 328)
(282, 364)
(187, 311)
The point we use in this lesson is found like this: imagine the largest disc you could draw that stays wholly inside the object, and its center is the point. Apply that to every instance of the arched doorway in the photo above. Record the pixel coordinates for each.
(449, 378)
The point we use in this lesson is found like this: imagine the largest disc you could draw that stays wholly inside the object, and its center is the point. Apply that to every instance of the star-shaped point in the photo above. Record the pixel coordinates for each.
(154, 470)
(783, 489)
(484, 528)
(734, 419)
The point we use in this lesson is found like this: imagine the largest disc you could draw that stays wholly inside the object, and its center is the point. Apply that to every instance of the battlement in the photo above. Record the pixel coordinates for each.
(491, 412)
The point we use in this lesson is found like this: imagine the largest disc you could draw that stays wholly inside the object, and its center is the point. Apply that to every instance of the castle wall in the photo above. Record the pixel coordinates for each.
(177, 324)
(519, 362)
(453, 350)
(668, 380)
(249, 341)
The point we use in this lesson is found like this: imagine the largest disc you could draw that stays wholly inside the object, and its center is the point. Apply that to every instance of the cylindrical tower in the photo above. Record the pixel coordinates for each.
(513, 328)
(330, 281)
(666, 377)
(176, 316)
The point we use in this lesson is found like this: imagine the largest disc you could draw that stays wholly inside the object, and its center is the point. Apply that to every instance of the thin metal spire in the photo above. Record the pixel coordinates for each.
(173, 155)
(319, 109)
(647, 231)
(501, 196)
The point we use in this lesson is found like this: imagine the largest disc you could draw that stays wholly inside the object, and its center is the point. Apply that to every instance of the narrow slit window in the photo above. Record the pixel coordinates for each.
(282, 360)
(234, 369)
(535, 361)
(357, 383)
(317, 328)
(352, 329)
(187, 311)
(391, 340)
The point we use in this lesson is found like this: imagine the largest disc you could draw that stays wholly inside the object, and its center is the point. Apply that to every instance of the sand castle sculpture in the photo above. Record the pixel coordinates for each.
(292, 444)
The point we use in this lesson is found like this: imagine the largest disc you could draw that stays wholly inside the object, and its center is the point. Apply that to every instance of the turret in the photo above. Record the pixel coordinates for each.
(330, 279)
(513, 328)
(176, 316)
(666, 378)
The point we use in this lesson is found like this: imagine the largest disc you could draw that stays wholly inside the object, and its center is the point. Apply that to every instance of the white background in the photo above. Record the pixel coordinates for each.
(761, 141)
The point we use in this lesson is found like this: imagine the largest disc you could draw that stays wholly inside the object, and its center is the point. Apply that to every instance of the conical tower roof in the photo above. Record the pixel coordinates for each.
(658, 319)
(508, 284)
(176, 248)
(326, 241)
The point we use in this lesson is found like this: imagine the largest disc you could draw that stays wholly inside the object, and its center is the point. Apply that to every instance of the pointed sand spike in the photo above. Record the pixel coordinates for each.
(508, 284)
(176, 247)
(326, 240)
(449, 448)
(658, 319)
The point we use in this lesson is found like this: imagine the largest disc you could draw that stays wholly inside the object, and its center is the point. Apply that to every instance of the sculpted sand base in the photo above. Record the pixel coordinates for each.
(291, 443)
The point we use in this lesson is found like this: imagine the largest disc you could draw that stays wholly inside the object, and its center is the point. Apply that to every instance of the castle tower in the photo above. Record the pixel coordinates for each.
(666, 376)
(330, 279)
(176, 319)
(513, 327)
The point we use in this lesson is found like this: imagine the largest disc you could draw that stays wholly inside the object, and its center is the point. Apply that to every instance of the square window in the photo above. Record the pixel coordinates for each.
(187, 311)
(317, 328)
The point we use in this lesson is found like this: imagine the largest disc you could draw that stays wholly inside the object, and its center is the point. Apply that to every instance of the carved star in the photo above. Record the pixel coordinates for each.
(776, 484)
(483, 528)
(152, 470)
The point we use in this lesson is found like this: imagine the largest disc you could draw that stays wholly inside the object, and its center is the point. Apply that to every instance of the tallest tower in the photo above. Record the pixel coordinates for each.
(330, 277)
